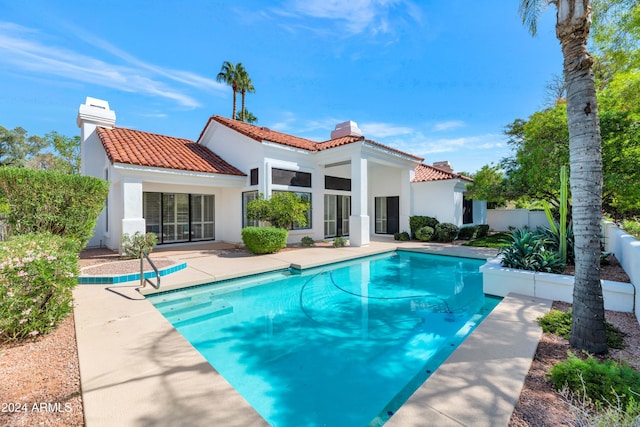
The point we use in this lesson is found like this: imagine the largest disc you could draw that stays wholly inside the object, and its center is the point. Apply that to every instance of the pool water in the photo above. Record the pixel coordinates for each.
(341, 345)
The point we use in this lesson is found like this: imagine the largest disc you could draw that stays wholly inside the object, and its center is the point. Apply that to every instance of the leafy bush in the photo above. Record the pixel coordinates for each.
(632, 227)
(403, 237)
(264, 240)
(37, 274)
(559, 323)
(44, 201)
(283, 210)
(306, 242)
(417, 222)
(468, 232)
(446, 232)
(527, 252)
(133, 246)
(425, 233)
(603, 382)
(483, 231)
(339, 242)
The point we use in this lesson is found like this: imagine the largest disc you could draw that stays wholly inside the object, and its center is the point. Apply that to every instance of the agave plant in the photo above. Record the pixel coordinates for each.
(531, 251)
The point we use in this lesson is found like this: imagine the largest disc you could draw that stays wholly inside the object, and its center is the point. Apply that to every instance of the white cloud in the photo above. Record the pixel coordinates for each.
(448, 125)
(21, 49)
(350, 17)
(383, 130)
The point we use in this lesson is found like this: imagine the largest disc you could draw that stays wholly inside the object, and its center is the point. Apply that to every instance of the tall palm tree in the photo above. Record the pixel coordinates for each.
(572, 30)
(244, 85)
(247, 117)
(229, 74)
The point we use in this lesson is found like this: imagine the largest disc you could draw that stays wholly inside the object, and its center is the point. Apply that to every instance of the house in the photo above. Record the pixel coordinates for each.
(188, 191)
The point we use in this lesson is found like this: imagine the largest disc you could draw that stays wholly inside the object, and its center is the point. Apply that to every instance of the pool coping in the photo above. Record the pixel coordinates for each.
(135, 368)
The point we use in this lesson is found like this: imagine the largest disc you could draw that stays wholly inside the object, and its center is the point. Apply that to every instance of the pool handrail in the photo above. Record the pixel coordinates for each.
(144, 280)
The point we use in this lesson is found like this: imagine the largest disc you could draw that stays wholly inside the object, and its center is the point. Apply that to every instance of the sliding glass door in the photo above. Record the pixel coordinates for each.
(336, 215)
(179, 217)
(387, 212)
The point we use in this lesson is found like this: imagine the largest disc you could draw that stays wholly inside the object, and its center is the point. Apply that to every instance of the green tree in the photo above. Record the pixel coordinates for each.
(540, 147)
(573, 20)
(244, 85)
(16, 147)
(247, 117)
(284, 210)
(63, 155)
(488, 184)
(228, 74)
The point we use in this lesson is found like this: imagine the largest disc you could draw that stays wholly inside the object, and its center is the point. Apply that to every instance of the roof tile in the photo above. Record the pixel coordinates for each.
(426, 173)
(148, 149)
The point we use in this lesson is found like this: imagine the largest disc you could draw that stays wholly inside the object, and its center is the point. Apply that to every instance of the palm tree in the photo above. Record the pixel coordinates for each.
(247, 117)
(572, 30)
(229, 74)
(244, 85)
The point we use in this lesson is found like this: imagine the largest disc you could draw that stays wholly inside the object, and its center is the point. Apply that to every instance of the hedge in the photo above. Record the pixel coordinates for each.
(43, 201)
(417, 222)
(264, 240)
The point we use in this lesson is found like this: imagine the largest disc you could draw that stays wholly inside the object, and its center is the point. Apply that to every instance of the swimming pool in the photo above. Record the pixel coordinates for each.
(340, 345)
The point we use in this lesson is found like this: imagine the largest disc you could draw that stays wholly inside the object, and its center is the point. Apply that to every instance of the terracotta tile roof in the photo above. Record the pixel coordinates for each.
(265, 134)
(148, 149)
(425, 173)
(260, 134)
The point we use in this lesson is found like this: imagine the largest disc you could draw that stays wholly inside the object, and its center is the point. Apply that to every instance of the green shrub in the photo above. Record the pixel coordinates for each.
(264, 240)
(559, 323)
(306, 242)
(403, 237)
(284, 209)
(417, 222)
(528, 252)
(497, 240)
(468, 232)
(133, 246)
(45, 201)
(603, 382)
(37, 274)
(425, 233)
(632, 227)
(339, 242)
(483, 231)
(446, 232)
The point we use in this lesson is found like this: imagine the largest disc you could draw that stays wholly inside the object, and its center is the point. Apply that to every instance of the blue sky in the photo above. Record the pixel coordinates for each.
(439, 79)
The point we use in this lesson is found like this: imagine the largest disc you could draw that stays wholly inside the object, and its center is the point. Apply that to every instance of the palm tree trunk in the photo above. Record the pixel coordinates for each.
(572, 29)
(233, 115)
(242, 111)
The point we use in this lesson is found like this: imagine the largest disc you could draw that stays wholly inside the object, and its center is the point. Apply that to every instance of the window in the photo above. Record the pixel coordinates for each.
(290, 178)
(248, 196)
(307, 198)
(253, 176)
(387, 212)
(179, 217)
(336, 183)
(336, 215)
(467, 210)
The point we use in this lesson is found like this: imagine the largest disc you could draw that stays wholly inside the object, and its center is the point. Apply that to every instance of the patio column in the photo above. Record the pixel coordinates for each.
(132, 219)
(359, 219)
(405, 198)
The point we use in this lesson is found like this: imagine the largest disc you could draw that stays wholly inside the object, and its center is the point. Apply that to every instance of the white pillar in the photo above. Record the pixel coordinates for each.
(405, 199)
(132, 220)
(359, 219)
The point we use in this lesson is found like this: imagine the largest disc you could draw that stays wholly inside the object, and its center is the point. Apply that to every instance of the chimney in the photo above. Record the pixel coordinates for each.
(445, 166)
(346, 129)
(92, 114)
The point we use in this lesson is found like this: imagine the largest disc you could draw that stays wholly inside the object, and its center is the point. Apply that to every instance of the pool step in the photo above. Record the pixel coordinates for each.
(185, 305)
(214, 308)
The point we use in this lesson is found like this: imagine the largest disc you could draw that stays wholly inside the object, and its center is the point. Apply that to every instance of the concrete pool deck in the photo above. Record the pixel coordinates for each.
(136, 369)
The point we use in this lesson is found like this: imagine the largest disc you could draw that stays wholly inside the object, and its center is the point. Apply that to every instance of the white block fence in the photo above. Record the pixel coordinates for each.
(618, 296)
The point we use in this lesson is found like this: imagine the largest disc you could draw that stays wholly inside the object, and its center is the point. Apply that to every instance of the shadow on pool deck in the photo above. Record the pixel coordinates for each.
(136, 369)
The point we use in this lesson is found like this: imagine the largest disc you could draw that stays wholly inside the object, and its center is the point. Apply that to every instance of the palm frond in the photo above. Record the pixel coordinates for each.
(530, 10)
